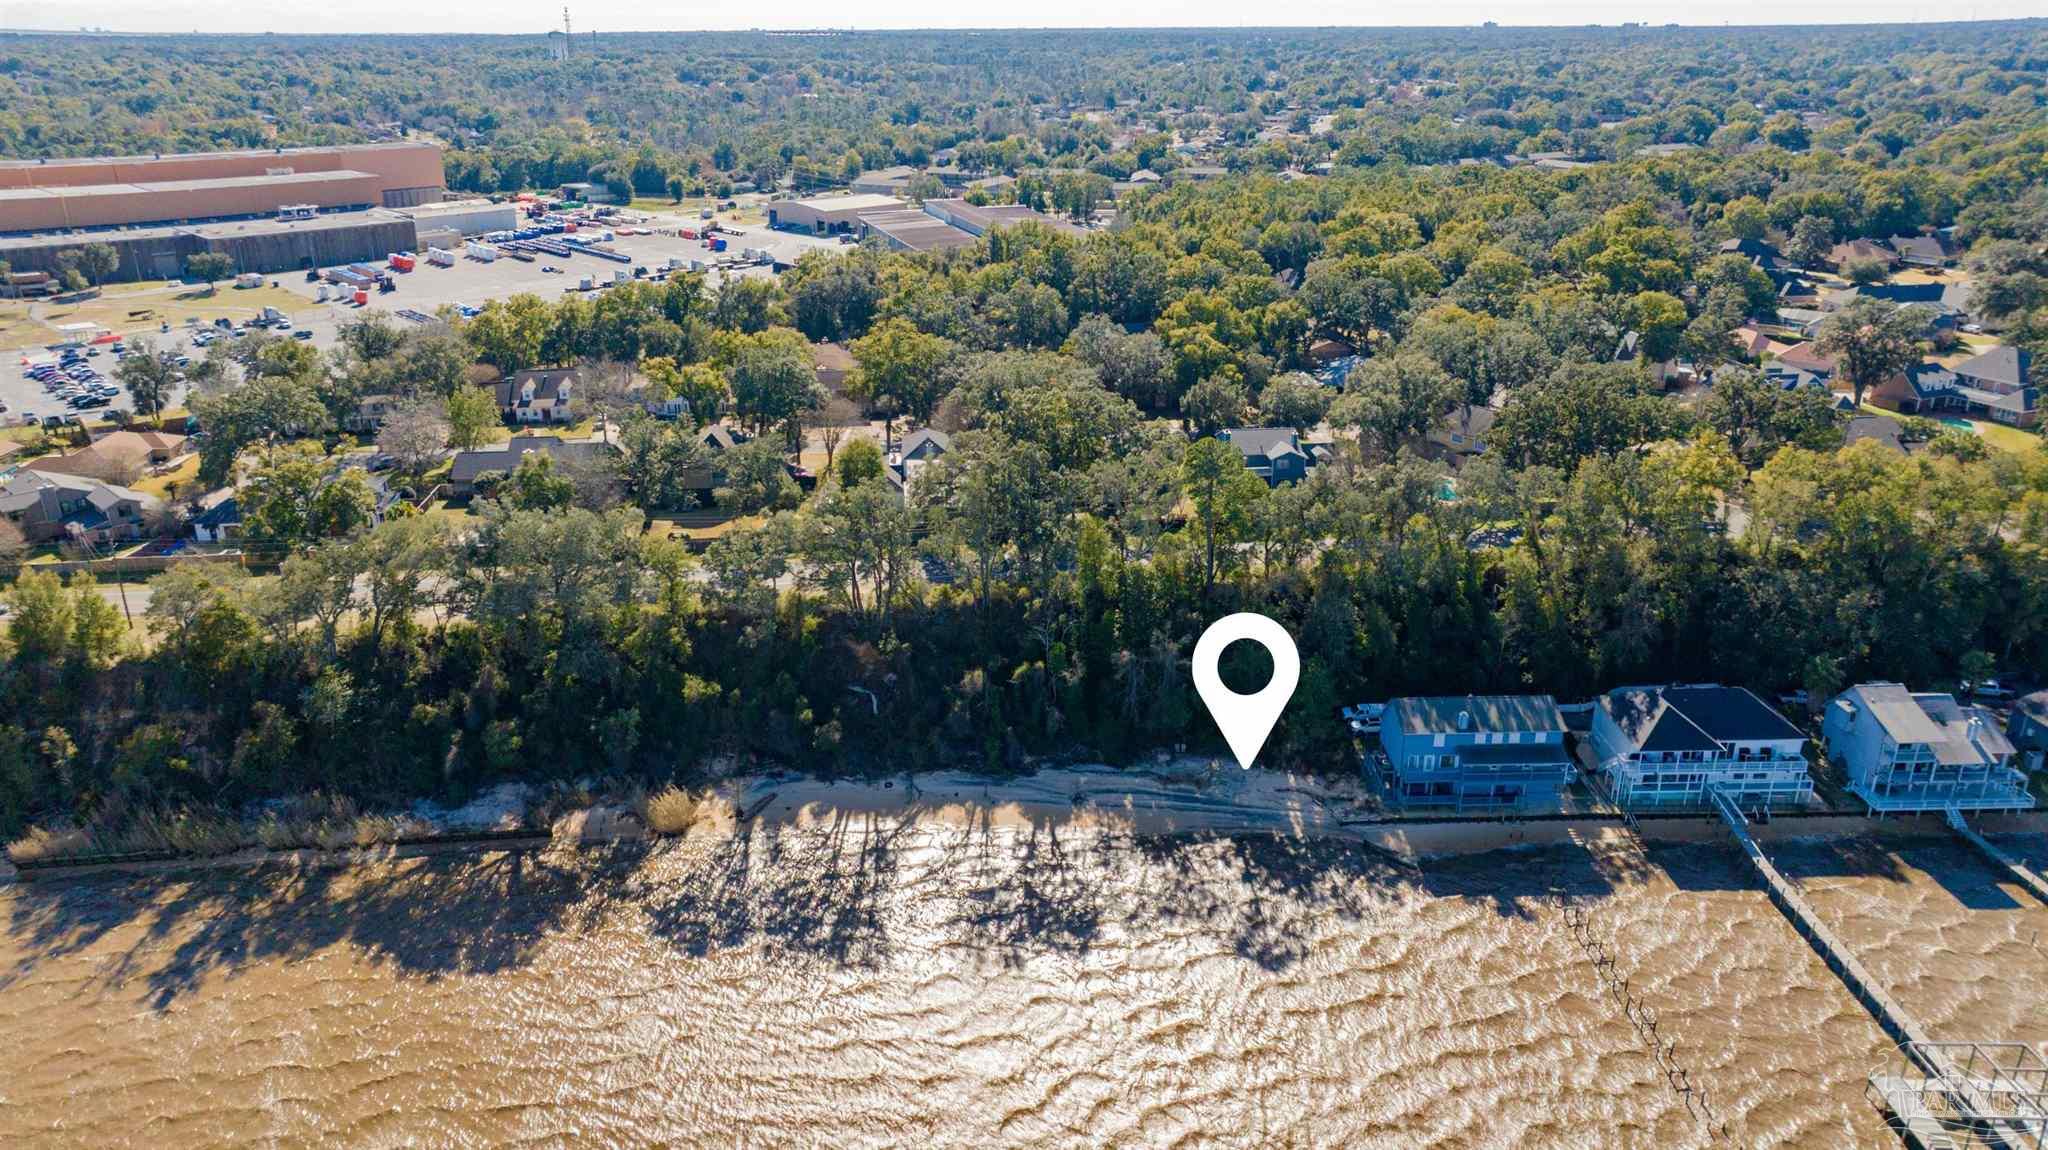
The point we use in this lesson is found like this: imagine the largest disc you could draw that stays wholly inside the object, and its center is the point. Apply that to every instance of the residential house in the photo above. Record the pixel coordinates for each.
(1459, 435)
(1670, 746)
(1882, 430)
(833, 363)
(118, 456)
(1947, 303)
(49, 506)
(1920, 251)
(1274, 454)
(1476, 752)
(924, 445)
(1910, 751)
(539, 395)
(371, 412)
(674, 407)
(1807, 357)
(2000, 381)
(717, 437)
(1757, 252)
(216, 516)
(917, 451)
(1994, 386)
(2028, 728)
(505, 458)
(1860, 251)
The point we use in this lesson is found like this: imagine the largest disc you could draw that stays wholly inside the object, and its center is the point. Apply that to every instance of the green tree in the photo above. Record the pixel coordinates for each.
(151, 377)
(1872, 340)
(1392, 398)
(473, 417)
(1222, 493)
(209, 268)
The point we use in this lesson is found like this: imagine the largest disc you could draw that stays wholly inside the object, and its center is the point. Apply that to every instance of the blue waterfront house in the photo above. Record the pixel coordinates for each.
(1476, 753)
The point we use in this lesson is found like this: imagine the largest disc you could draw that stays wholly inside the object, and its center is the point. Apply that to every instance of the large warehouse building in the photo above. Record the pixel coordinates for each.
(268, 210)
(118, 191)
(262, 245)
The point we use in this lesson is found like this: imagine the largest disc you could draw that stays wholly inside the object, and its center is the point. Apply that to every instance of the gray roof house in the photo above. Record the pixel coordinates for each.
(2028, 726)
(1274, 454)
(506, 458)
(538, 396)
(50, 506)
(1921, 751)
(1492, 753)
(1994, 385)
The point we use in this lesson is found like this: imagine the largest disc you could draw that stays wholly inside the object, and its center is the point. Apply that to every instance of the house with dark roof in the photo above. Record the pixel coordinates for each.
(2028, 727)
(1492, 753)
(1920, 251)
(1921, 751)
(1274, 454)
(1670, 746)
(505, 458)
(216, 516)
(1882, 430)
(924, 445)
(540, 395)
(49, 506)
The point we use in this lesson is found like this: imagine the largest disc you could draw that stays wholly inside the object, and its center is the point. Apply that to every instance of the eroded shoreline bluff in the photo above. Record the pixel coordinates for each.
(1190, 796)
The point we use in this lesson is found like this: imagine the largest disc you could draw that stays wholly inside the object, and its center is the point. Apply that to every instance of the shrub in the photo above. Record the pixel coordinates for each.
(669, 811)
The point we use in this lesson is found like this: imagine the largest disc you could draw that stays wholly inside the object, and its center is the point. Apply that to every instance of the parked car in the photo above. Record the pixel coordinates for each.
(1989, 689)
(303, 333)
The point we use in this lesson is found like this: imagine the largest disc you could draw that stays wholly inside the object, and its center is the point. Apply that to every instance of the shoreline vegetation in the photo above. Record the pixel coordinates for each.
(1185, 796)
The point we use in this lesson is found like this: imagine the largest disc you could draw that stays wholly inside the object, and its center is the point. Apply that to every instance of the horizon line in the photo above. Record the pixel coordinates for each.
(851, 30)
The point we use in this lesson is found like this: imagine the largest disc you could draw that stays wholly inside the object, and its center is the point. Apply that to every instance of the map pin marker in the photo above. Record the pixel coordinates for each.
(1246, 720)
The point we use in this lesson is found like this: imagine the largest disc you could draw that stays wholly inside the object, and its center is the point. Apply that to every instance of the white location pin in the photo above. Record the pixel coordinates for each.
(1246, 720)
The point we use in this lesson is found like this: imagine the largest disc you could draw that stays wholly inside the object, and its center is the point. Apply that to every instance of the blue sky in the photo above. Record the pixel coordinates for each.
(619, 15)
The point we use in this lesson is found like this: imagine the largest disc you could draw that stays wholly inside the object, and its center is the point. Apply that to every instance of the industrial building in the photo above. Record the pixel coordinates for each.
(826, 214)
(910, 230)
(264, 246)
(268, 210)
(445, 225)
(118, 191)
(978, 220)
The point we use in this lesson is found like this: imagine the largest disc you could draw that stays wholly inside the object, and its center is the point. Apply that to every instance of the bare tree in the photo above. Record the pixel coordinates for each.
(414, 436)
(606, 388)
(832, 418)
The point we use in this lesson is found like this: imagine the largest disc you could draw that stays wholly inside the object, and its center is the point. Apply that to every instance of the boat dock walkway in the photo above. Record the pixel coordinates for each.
(1929, 1098)
(2025, 875)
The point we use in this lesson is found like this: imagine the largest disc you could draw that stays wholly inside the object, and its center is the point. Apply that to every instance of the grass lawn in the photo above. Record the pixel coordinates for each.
(169, 302)
(661, 528)
(184, 477)
(1996, 434)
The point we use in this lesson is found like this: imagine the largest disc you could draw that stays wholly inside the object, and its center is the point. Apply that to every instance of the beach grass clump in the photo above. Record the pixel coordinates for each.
(669, 811)
(42, 844)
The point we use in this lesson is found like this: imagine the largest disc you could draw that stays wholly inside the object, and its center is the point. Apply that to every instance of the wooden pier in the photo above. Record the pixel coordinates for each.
(2023, 874)
(1930, 1099)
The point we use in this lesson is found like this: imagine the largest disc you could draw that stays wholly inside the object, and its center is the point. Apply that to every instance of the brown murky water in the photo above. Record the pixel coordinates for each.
(886, 985)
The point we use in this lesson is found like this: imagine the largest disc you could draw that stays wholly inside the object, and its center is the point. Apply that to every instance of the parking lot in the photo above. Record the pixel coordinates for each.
(472, 283)
(469, 283)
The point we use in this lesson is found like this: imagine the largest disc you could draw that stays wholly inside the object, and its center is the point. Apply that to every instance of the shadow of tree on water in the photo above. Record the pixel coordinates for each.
(859, 891)
(430, 916)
